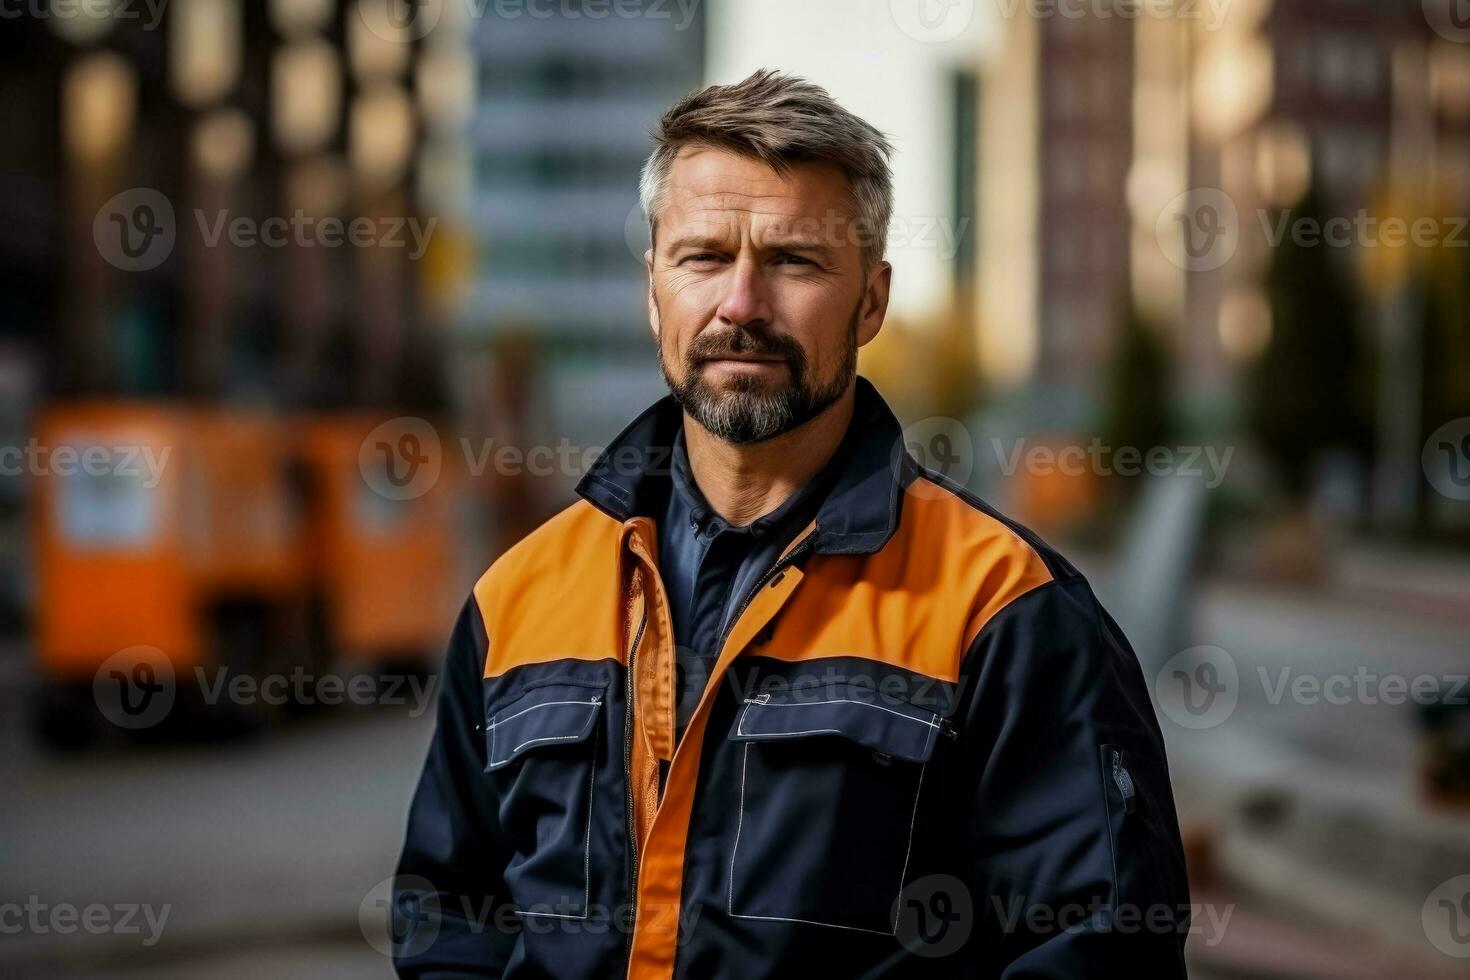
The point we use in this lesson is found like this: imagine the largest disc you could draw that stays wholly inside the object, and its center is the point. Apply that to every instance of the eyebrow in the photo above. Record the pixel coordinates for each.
(694, 241)
(775, 244)
(800, 245)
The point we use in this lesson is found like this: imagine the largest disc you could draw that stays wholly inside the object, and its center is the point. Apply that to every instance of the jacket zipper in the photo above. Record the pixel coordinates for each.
(770, 573)
(628, 774)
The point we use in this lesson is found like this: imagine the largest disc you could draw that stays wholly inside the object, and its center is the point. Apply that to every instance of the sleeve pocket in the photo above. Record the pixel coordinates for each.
(1137, 822)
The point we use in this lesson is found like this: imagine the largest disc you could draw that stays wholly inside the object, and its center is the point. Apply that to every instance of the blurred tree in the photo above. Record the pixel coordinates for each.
(1136, 408)
(1136, 414)
(926, 370)
(1447, 338)
(1446, 345)
(957, 386)
(1310, 391)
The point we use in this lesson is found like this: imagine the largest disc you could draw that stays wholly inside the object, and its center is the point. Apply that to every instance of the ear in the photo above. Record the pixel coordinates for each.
(653, 318)
(874, 305)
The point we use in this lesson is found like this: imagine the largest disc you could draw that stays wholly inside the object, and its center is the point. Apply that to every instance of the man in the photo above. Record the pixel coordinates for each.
(771, 698)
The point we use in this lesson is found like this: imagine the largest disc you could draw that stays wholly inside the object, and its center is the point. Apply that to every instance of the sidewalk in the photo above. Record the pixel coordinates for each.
(1263, 946)
(1407, 581)
(1315, 805)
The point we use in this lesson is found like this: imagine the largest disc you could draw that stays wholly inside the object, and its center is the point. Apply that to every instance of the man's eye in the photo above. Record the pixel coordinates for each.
(794, 260)
(700, 257)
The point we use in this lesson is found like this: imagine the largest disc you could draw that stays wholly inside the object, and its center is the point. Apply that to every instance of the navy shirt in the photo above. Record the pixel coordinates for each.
(707, 565)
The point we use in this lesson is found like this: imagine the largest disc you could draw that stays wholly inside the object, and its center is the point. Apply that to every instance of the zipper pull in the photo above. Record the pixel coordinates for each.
(1124, 782)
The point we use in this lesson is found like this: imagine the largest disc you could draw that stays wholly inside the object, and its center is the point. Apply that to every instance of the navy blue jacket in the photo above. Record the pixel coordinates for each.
(924, 750)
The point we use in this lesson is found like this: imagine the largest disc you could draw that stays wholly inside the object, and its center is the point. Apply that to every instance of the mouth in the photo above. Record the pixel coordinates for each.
(743, 361)
(743, 366)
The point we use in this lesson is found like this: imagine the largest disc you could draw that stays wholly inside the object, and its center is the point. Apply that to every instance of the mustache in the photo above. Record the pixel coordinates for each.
(745, 341)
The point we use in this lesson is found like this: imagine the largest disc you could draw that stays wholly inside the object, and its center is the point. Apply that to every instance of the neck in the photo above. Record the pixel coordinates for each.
(745, 482)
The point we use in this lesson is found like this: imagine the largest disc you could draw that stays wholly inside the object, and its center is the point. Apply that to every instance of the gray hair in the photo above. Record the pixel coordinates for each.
(780, 120)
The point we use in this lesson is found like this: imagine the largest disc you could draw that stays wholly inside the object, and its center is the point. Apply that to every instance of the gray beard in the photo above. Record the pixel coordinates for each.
(744, 412)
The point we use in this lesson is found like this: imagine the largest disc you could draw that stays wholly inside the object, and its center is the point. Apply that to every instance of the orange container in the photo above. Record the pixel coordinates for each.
(245, 530)
(153, 518)
(150, 515)
(112, 565)
(382, 554)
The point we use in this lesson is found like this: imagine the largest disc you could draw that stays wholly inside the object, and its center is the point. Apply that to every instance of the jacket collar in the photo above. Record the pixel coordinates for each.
(631, 477)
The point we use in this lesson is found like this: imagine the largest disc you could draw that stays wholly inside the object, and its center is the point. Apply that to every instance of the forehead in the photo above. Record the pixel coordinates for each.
(708, 185)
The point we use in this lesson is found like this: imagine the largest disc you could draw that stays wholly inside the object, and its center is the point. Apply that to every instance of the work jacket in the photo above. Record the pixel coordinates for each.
(924, 749)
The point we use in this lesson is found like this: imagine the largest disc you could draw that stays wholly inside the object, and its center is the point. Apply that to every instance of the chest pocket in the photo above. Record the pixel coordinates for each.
(830, 784)
(541, 748)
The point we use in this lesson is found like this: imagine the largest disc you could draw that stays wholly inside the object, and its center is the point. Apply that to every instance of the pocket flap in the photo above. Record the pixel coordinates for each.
(552, 714)
(895, 728)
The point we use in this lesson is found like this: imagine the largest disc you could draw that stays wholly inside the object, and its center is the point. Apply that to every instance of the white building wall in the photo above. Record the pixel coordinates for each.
(878, 61)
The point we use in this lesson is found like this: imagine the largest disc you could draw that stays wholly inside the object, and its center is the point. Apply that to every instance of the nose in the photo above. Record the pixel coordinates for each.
(745, 300)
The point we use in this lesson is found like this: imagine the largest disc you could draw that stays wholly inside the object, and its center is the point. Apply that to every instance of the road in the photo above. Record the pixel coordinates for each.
(269, 845)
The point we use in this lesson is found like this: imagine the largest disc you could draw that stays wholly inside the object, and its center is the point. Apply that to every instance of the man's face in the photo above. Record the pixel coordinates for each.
(758, 293)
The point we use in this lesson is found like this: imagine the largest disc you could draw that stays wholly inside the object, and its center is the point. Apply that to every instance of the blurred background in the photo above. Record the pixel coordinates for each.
(313, 307)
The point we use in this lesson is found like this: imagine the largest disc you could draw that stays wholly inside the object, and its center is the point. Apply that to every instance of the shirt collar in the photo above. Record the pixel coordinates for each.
(858, 516)
(799, 505)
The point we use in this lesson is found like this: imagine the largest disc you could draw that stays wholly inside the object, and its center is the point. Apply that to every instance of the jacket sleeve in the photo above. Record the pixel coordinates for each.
(447, 916)
(1078, 869)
